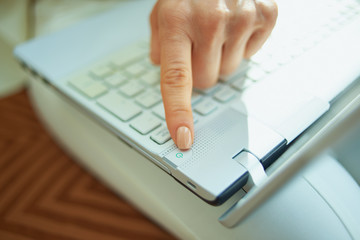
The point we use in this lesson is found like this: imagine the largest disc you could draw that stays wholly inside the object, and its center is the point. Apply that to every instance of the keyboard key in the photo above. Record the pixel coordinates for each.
(233, 77)
(131, 88)
(82, 82)
(116, 79)
(195, 118)
(130, 56)
(195, 97)
(159, 111)
(101, 71)
(119, 106)
(88, 86)
(269, 66)
(225, 94)
(255, 73)
(242, 83)
(151, 77)
(161, 135)
(148, 99)
(260, 57)
(297, 51)
(95, 90)
(207, 91)
(145, 123)
(205, 107)
(147, 63)
(136, 69)
(157, 88)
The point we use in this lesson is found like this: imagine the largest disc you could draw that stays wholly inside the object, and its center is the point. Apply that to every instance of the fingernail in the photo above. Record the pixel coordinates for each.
(183, 138)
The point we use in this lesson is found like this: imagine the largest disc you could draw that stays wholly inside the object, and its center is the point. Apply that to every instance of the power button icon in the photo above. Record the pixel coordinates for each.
(178, 157)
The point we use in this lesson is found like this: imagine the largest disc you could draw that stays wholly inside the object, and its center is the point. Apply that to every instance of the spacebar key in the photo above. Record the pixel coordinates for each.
(119, 106)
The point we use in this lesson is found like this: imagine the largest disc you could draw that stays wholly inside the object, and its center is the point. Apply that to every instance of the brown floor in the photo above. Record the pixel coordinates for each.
(46, 195)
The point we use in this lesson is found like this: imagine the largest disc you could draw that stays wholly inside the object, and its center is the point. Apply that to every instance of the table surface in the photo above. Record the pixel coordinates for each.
(44, 194)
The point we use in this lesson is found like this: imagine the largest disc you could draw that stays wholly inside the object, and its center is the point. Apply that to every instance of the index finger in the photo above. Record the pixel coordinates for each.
(176, 87)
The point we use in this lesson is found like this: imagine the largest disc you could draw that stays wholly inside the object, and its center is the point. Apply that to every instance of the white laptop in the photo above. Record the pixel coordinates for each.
(102, 66)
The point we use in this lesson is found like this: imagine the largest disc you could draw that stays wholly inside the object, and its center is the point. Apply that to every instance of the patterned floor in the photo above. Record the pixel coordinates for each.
(45, 195)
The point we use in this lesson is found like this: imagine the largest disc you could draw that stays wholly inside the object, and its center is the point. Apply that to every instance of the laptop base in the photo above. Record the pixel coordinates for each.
(296, 211)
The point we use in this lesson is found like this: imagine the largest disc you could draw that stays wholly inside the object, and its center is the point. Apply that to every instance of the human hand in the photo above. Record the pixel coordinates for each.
(195, 41)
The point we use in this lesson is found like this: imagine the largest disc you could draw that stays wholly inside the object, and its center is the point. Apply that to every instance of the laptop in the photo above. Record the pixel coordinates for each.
(101, 65)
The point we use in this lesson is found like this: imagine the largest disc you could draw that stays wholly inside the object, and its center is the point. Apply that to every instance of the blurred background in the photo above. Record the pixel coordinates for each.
(44, 194)
(21, 20)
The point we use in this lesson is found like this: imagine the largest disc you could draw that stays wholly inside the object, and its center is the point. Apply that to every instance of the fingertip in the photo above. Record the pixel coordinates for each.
(181, 129)
(184, 138)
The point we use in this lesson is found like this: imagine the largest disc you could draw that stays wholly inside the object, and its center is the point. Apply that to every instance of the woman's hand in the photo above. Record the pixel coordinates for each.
(195, 41)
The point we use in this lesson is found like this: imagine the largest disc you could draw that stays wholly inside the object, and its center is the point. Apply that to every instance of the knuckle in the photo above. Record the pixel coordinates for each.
(214, 22)
(269, 12)
(219, 16)
(247, 18)
(171, 16)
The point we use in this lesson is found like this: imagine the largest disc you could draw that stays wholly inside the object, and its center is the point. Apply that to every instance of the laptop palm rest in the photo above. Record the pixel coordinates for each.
(282, 106)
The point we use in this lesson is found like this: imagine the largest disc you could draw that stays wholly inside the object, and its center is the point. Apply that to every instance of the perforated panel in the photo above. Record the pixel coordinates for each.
(210, 136)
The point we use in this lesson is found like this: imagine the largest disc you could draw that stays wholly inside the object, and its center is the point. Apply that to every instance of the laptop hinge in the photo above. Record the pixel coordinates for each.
(253, 165)
(257, 175)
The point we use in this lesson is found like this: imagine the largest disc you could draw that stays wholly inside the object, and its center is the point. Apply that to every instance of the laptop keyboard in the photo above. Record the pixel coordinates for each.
(128, 85)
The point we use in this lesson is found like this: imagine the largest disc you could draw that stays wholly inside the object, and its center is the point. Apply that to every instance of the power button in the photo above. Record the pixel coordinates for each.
(178, 157)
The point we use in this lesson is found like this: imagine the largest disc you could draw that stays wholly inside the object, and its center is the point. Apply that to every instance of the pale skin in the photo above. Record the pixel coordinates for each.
(195, 41)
